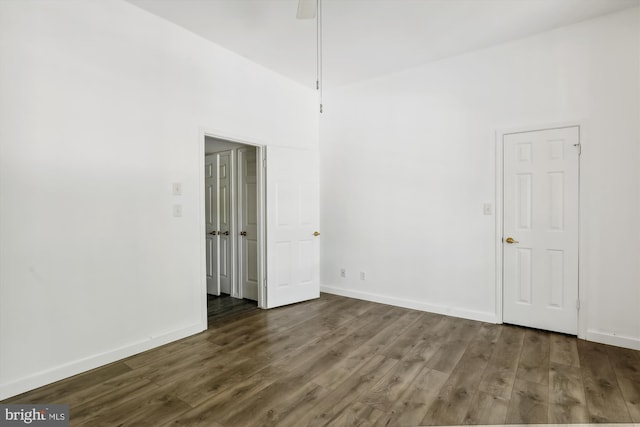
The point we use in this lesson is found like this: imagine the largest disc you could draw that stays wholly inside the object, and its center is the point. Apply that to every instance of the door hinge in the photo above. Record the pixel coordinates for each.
(578, 148)
(577, 304)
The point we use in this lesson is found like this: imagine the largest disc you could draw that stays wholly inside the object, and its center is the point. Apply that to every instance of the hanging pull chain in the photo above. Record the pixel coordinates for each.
(319, 52)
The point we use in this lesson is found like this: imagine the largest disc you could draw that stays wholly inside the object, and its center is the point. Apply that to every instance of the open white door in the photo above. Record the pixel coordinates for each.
(541, 229)
(293, 243)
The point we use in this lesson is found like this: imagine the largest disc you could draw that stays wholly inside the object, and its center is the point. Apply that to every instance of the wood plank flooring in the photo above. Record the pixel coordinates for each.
(342, 362)
(225, 307)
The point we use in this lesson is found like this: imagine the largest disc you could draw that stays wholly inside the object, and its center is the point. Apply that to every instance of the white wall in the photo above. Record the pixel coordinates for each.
(102, 106)
(407, 161)
(215, 145)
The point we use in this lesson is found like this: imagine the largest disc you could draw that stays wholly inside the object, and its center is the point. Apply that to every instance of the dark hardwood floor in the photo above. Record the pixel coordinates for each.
(343, 362)
(227, 309)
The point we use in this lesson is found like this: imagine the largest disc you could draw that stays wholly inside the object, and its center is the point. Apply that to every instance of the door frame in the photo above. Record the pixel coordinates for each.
(261, 185)
(499, 220)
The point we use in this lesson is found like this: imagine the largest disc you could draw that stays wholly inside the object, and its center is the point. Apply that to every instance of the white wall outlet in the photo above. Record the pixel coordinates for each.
(176, 189)
(343, 272)
(487, 209)
(177, 211)
(362, 275)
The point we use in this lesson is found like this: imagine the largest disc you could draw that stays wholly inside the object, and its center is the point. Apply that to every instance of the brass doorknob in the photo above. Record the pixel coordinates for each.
(510, 240)
(226, 233)
(214, 233)
(315, 233)
(243, 233)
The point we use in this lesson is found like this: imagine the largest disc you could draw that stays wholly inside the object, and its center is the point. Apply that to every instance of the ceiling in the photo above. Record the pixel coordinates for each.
(367, 38)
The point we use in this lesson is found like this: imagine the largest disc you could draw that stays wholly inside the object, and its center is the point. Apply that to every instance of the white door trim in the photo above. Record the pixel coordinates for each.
(260, 149)
(499, 204)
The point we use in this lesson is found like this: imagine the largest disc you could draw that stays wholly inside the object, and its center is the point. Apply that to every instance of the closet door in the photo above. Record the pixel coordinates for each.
(248, 223)
(225, 215)
(211, 221)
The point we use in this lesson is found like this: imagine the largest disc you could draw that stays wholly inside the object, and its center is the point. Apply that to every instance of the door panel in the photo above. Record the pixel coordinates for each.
(225, 161)
(541, 172)
(248, 210)
(211, 219)
(292, 218)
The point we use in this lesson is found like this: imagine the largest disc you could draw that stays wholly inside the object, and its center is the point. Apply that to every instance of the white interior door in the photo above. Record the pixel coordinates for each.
(211, 220)
(225, 226)
(293, 267)
(540, 278)
(248, 222)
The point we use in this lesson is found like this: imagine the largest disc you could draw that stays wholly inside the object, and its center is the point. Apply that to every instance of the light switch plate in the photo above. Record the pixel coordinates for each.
(176, 189)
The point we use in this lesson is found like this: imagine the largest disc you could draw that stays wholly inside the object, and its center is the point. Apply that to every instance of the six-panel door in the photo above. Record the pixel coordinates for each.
(540, 229)
(293, 256)
(211, 220)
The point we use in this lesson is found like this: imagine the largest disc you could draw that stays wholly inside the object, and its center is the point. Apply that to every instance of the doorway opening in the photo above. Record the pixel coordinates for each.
(283, 197)
(233, 225)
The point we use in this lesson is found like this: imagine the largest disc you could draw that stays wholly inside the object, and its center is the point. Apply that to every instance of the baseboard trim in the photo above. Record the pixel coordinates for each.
(415, 305)
(67, 370)
(611, 339)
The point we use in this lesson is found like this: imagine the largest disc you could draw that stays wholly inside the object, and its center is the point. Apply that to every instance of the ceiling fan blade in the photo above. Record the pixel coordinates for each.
(307, 9)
